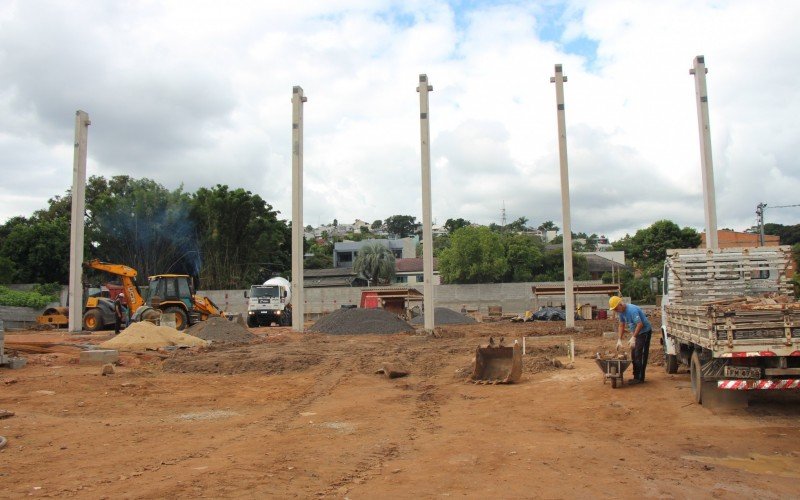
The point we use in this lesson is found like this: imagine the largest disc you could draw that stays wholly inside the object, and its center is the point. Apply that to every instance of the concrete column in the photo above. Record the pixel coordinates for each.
(706, 163)
(569, 282)
(428, 302)
(298, 297)
(76, 225)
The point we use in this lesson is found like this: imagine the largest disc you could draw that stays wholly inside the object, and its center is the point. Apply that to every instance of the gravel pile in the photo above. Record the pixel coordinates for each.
(445, 316)
(360, 321)
(217, 329)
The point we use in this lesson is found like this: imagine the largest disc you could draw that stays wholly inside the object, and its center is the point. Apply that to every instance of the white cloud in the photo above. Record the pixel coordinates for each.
(198, 93)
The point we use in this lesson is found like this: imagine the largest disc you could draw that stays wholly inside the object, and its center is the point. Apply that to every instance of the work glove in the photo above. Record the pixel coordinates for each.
(619, 343)
(632, 342)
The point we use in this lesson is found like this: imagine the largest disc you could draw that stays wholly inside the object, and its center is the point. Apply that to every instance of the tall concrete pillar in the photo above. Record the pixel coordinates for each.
(298, 297)
(569, 282)
(428, 302)
(76, 223)
(706, 163)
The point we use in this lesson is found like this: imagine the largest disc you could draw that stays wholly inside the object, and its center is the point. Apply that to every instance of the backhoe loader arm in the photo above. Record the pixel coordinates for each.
(126, 274)
(206, 306)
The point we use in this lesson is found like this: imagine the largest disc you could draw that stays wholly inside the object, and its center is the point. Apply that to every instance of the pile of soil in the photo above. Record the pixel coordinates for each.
(145, 335)
(221, 330)
(445, 316)
(360, 321)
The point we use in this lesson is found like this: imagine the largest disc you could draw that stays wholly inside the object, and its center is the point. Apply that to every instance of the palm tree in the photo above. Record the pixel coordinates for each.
(374, 262)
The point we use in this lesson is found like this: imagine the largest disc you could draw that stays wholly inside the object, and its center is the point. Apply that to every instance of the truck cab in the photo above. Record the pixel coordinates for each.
(269, 303)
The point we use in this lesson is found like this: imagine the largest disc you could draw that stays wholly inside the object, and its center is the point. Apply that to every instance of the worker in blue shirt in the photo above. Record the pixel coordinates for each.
(641, 332)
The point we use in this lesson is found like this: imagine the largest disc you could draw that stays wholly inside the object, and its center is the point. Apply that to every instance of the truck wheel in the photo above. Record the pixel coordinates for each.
(181, 321)
(696, 374)
(93, 320)
(671, 363)
(252, 322)
(286, 319)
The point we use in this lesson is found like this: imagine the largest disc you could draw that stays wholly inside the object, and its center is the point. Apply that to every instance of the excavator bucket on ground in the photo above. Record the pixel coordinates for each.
(497, 364)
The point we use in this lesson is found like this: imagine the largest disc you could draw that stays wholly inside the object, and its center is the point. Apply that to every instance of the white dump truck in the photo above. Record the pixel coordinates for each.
(269, 303)
(731, 317)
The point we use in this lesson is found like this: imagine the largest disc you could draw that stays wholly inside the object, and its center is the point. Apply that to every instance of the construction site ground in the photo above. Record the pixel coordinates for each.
(305, 415)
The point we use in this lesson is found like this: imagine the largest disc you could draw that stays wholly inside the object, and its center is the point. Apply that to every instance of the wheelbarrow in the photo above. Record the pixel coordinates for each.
(613, 369)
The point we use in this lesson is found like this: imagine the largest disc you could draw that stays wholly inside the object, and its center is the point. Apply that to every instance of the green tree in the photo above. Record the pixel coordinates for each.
(518, 225)
(375, 262)
(552, 266)
(402, 225)
(475, 255)
(523, 255)
(440, 243)
(789, 235)
(321, 256)
(238, 232)
(7, 270)
(35, 250)
(140, 223)
(376, 224)
(548, 226)
(647, 249)
(452, 225)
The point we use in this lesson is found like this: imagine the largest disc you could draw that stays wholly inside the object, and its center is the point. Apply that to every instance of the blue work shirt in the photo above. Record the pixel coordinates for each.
(633, 315)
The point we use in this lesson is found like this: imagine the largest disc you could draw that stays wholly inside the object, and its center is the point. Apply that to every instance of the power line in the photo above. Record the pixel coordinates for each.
(760, 218)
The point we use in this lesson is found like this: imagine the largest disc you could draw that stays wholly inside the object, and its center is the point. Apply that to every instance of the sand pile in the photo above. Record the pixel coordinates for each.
(217, 329)
(445, 316)
(360, 321)
(145, 335)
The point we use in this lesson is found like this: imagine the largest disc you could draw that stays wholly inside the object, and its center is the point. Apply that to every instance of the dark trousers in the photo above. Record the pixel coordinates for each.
(639, 354)
(117, 324)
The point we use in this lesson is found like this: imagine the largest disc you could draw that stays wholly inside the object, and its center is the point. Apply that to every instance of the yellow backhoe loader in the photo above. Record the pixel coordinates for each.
(167, 293)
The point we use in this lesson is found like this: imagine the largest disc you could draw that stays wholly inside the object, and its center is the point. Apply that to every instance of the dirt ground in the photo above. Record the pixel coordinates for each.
(304, 415)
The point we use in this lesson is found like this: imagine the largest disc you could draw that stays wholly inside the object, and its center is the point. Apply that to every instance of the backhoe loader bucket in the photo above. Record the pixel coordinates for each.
(497, 364)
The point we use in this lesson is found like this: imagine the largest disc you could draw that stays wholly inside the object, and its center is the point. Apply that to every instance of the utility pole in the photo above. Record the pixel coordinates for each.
(760, 209)
(427, 231)
(298, 297)
(707, 165)
(760, 221)
(75, 293)
(569, 282)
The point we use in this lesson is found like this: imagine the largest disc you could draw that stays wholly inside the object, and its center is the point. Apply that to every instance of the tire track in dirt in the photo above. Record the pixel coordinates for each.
(366, 468)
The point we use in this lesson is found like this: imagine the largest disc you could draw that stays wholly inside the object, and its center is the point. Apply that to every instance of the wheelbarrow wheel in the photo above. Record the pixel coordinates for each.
(612, 371)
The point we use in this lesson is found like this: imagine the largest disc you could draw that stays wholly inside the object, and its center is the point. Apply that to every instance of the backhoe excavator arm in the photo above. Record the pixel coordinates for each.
(126, 274)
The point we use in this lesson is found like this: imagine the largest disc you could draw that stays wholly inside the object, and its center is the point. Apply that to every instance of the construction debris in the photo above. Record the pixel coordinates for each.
(392, 371)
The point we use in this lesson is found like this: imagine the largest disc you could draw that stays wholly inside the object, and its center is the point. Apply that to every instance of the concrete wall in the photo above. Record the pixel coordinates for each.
(514, 298)
(18, 318)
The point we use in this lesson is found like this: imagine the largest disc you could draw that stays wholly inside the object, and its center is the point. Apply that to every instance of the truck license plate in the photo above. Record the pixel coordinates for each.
(743, 372)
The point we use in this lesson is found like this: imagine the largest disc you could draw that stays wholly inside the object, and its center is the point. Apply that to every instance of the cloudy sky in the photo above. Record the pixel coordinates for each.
(198, 93)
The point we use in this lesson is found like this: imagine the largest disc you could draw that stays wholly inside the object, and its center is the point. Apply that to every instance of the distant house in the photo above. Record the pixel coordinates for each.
(599, 265)
(345, 252)
(729, 239)
(318, 278)
(410, 271)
